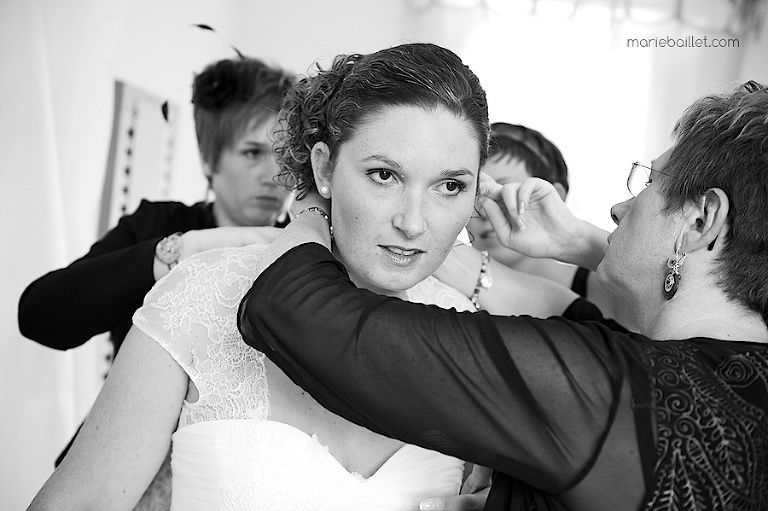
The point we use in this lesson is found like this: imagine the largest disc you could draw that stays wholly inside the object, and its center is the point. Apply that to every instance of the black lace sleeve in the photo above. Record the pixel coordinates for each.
(531, 398)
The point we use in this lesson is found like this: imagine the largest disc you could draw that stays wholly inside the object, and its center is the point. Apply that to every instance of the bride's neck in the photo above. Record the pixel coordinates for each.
(364, 284)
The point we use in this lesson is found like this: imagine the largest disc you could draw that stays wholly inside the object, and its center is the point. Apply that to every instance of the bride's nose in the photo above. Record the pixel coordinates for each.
(410, 217)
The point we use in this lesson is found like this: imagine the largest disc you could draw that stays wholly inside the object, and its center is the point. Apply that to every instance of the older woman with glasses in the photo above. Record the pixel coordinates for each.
(571, 412)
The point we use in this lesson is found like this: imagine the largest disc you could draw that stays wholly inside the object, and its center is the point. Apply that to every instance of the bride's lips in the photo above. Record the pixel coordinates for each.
(401, 256)
(266, 199)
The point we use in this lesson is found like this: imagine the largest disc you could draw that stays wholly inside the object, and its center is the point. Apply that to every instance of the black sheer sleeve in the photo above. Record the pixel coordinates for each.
(531, 398)
(584, 310)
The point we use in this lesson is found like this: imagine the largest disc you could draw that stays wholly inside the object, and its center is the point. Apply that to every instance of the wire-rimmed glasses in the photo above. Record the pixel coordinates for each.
(639, 177)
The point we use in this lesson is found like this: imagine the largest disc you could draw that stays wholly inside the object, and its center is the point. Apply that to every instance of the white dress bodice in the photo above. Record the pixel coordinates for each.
(227, 454)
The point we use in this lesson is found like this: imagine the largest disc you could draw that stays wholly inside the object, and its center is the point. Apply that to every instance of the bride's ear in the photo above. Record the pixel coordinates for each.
(320, 158)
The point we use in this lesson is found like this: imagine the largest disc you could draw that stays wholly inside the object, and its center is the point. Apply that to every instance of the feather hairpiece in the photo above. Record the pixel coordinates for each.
(202, 26)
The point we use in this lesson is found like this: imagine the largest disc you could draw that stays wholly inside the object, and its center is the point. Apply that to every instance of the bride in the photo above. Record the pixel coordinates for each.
(395, 139)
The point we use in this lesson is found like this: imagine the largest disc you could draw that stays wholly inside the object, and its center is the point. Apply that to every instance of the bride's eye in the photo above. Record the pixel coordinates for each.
(452, 188)
(381, 176)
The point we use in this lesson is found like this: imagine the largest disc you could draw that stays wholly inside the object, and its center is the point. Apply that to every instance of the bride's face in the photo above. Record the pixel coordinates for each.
(401, 191)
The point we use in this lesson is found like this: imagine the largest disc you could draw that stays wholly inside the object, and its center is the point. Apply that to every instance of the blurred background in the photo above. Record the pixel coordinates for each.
(597, 77)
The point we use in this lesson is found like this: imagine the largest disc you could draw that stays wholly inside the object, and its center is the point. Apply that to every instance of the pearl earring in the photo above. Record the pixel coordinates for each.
(324, 190)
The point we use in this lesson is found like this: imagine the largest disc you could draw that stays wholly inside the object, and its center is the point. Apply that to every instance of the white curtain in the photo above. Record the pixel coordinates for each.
(568, 69)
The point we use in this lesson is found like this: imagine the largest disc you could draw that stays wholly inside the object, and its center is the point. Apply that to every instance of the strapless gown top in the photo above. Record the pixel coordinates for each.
(267, 465)
(226, 453)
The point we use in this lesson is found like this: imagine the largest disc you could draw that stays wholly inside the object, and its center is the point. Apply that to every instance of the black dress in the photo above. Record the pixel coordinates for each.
(572, 413)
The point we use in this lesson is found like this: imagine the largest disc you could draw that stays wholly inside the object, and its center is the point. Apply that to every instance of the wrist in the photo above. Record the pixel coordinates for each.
(459, 270)
(317, 214)
(588, 246)
(168, 250)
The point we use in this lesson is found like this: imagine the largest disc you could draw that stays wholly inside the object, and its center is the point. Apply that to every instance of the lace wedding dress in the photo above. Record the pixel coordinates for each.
(227, 454)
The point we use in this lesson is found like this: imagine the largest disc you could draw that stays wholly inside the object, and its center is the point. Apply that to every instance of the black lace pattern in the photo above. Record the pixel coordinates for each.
(711, 400)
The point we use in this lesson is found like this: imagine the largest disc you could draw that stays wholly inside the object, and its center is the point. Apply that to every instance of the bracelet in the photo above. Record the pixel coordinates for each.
(484, 280)
(321, 213)
(168, 250)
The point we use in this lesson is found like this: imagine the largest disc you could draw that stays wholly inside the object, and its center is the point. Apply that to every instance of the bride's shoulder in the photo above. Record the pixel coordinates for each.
(220, 270)
(230, 258)
(432, 291)
(196, 302)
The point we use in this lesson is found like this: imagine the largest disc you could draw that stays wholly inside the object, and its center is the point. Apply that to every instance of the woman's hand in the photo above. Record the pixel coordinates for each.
(467, 502)
(311, 199)
(201, 240)
(474, 493)
(479, 479)
(306, 227)
(531, 218)
(460, 268)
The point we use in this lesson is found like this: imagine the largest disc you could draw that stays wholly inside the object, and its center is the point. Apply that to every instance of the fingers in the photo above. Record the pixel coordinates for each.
(533, 189)
(479, 478)
(502, 220)
(489, 187)
(243, 236)
(311, 199)
(231, 236)
(455, 503)
(265, 235)
(515, 208)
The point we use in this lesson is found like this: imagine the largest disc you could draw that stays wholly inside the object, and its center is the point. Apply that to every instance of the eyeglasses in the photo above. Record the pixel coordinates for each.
(639, 178)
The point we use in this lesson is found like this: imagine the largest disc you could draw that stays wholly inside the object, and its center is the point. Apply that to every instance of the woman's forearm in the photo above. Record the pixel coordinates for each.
(512, 293)
(306, 227)
(126, 435)
(496, 384)
(588, 246)
(109, 286)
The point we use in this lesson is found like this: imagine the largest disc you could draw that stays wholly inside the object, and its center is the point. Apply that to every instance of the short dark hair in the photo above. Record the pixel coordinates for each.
(541, 157)
(228, 95)
(330, 106)
(721, 141)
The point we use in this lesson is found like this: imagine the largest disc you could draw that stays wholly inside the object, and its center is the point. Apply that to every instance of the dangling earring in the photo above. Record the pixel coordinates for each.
(672, 281)
(324, 190)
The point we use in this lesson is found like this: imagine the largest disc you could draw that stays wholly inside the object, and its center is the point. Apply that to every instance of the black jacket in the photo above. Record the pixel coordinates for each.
(100, 291)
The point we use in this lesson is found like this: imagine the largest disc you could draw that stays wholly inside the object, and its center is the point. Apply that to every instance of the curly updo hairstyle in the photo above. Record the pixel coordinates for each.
(231, 93)
(331, 105)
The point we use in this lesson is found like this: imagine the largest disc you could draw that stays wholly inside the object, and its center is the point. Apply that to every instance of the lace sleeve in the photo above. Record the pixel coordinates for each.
(191, 313)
